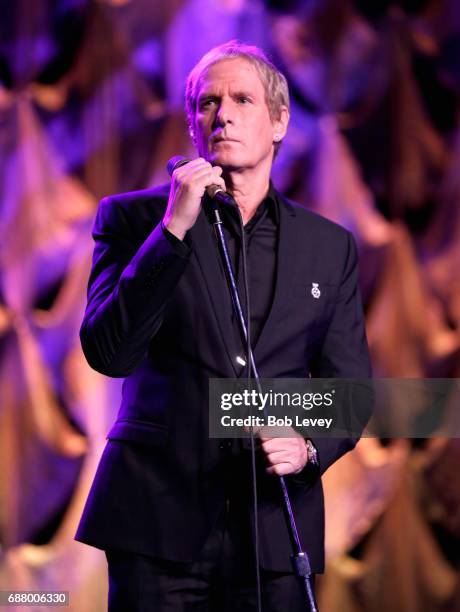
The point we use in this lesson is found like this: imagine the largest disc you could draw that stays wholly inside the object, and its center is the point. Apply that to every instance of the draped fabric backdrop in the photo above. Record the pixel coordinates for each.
(91, 103)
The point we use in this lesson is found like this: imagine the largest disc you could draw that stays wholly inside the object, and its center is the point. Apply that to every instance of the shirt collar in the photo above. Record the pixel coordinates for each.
(270, 202)
(273, 203)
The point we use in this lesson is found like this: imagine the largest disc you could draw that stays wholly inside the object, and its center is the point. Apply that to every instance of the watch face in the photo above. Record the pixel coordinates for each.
(312, 453)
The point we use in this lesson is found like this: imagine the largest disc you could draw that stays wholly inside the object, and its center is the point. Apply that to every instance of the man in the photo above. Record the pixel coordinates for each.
(170, 506)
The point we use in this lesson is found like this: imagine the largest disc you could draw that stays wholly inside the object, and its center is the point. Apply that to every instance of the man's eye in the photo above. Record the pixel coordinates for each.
(243, 100)
(207, 103)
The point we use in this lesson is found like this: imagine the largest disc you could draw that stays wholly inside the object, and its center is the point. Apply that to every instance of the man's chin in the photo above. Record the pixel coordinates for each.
(225, 161)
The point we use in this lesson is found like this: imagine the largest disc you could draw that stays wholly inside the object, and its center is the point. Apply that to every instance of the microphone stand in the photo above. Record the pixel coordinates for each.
(299, 558)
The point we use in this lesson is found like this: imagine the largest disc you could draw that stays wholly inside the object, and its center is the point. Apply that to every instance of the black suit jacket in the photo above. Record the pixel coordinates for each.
(161, 317)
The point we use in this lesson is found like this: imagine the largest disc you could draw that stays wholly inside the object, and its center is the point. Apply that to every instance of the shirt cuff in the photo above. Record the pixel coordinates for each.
(178, 245)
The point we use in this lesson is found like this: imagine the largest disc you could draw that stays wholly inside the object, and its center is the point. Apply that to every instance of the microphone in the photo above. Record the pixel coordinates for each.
(215, 192)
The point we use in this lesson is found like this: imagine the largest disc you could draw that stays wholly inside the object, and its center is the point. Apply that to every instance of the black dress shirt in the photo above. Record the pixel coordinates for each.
(261, 234)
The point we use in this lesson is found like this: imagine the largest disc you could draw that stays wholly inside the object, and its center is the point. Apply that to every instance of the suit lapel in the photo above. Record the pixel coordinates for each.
(288, 248)
(209, 261)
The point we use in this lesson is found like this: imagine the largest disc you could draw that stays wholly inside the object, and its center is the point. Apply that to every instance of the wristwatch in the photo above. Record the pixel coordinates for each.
(312, 453)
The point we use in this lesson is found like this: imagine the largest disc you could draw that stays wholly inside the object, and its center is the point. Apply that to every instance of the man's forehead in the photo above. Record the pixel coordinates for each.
(236, 70)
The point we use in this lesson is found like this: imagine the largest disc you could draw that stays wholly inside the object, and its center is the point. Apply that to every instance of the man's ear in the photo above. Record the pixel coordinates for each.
(280, 125)
(191, 132)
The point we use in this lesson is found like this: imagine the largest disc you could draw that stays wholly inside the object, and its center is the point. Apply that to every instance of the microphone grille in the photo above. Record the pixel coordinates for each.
(176, 162)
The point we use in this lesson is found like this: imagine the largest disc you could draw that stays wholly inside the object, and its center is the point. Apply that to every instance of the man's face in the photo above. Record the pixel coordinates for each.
(233, 128)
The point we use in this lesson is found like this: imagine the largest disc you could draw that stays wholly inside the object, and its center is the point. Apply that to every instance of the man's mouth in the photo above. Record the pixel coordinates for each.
(217, 139)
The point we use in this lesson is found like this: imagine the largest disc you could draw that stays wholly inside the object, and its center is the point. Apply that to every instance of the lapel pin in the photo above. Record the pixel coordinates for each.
(315, 290)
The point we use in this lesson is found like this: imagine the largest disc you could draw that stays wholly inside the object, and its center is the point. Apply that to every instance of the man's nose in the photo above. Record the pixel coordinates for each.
(224, 113)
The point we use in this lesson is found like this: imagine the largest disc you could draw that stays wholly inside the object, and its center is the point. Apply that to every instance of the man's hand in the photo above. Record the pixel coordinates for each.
(188, 184)
(287, 455)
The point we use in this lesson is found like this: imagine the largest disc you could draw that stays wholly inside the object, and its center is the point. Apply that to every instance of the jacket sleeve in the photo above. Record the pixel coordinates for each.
(344, 352)
(129, 285)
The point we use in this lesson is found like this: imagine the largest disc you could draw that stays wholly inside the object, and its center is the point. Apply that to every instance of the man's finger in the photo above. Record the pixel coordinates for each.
(279, 457)
(281, 469)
